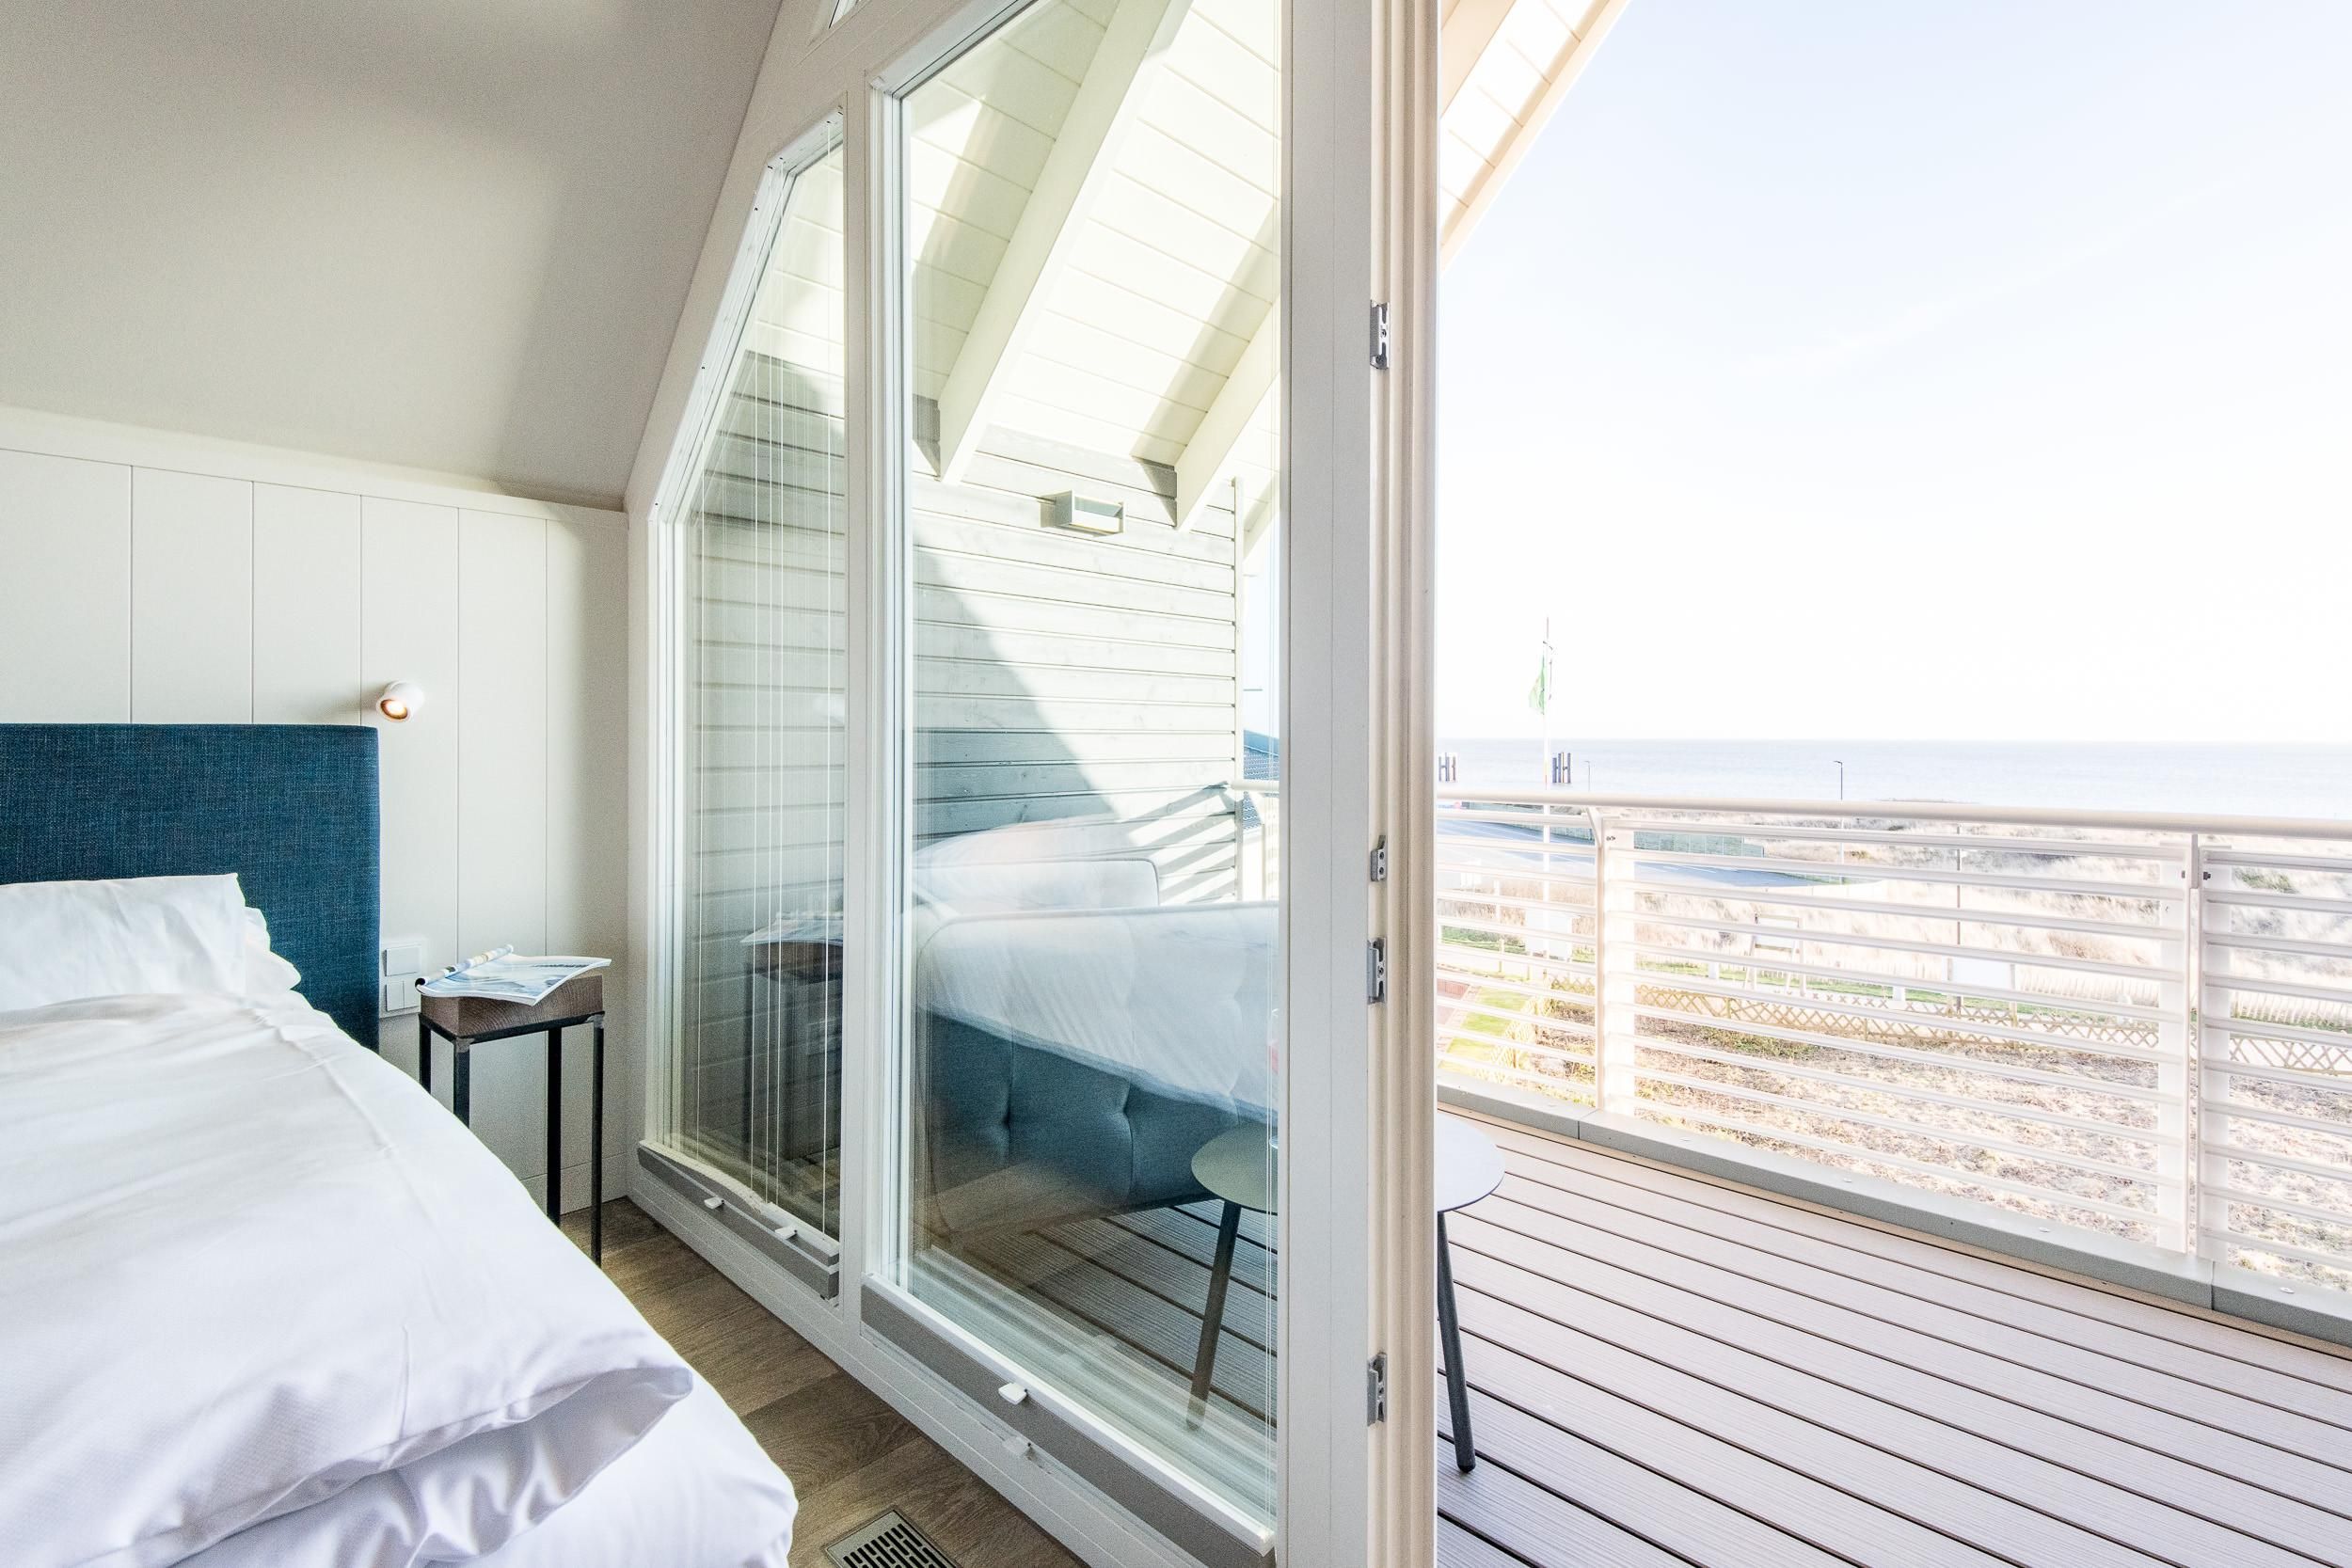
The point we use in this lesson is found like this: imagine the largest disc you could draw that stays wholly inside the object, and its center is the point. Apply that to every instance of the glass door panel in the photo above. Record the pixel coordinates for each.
(1093, 1032)
(761, 540)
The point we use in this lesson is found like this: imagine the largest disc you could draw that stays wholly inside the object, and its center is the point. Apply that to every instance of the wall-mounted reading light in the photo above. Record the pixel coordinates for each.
(400, 700)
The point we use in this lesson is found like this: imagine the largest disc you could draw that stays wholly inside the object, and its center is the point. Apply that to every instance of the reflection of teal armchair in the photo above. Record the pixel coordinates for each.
(1073, 1059)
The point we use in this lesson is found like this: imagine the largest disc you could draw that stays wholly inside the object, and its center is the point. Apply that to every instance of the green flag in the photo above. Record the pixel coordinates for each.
(1539, 695)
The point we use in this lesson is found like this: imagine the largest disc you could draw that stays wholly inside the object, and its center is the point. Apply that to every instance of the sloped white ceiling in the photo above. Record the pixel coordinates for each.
(451, 234)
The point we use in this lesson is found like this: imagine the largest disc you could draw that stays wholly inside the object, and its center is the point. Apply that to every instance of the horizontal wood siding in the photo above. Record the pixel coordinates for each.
(1060, 677)
(765, 637)
(1091, 680)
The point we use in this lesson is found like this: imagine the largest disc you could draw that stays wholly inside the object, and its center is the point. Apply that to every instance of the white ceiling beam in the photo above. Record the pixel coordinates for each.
(1470, 29)
(1202, 462)
(1582, 44)
(1076, 171)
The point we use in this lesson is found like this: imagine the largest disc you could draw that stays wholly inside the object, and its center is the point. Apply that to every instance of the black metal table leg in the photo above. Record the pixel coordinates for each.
(424, 1054)
(461, 1082)
(555, 1125)
(1213, 1316)
(1450, 1341)
(596, 1150)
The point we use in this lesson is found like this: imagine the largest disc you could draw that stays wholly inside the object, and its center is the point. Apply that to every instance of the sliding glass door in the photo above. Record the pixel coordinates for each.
(762, 622)
(1092, 1032)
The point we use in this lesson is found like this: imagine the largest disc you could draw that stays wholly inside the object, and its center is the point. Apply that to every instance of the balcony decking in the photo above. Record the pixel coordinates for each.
(1666, 1369)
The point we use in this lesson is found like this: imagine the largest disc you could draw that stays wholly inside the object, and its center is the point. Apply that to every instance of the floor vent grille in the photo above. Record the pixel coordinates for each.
(888, 1541)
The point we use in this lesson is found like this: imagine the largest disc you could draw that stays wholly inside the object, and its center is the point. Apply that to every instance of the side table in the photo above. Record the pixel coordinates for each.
(1238, 1168)
(467, 1021)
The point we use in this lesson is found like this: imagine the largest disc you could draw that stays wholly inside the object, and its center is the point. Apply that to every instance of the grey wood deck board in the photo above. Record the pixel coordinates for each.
(1834, 1487)
(1249, 1313)
(1528, 1469)
(1752, 1256)
(2230, 1338)
(1535, 1525)
(2023, 1506)
(2167, 1496)
(2184, 1343)
(1670, 1372)
(1458, 1548)
(1182, 1233)
(1191, 1229)
(1655, 1252)
(1117, 1306)
(1702, 1463)
(2087, 1425)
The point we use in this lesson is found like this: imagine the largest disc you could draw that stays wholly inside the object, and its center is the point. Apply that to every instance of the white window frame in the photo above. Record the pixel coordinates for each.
(1357, 1119)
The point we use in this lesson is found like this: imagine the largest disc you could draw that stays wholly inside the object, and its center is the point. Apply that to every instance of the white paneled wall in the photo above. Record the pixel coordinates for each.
(155, 579)
(65, 589)
(306, 644)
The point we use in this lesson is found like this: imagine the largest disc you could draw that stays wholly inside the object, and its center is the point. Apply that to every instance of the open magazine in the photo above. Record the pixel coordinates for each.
(501, 976)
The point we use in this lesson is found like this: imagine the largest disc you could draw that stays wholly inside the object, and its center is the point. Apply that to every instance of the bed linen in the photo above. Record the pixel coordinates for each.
(245, 1265)
(1179, 998)
(60, 942)
(695, 1491)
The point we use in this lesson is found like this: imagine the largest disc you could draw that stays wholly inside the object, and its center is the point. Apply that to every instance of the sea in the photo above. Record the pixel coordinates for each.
(2309, 781)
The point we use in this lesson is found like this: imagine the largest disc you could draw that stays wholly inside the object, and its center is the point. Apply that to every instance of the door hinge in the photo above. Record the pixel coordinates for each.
(1377, 1391)
(1379, 335)
(1377, 970)
(1380, 861)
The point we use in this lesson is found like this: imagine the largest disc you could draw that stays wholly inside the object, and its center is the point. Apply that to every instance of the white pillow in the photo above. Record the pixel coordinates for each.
(265, 973)
(146, 936)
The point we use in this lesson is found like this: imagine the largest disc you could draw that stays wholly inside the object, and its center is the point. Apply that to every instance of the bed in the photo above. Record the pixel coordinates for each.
(263, 1300)
(1078, 1041)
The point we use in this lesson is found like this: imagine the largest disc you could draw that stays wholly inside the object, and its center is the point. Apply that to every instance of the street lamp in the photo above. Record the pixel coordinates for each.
(1841, 778)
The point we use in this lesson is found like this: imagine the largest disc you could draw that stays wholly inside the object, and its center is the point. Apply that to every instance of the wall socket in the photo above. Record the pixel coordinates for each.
(404, 966)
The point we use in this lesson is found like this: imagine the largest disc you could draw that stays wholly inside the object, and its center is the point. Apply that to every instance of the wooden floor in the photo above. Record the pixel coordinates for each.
(850, 1455)
(1670, 1370)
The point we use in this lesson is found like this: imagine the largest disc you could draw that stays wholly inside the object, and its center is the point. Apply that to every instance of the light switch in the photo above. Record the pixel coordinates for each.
(400, 996)
(404, 956)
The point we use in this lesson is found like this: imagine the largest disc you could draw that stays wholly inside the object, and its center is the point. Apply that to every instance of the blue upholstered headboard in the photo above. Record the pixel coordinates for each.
(292, 809)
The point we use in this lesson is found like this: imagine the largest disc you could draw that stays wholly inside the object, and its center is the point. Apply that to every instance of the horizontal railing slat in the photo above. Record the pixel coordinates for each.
(1642, 883)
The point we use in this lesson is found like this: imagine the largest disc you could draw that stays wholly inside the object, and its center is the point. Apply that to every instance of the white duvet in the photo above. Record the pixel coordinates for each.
(1179, 997)
(246, 1268)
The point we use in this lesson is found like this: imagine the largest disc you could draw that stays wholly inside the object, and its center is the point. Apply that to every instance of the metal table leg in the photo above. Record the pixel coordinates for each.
(595, 1151)
(555, 1125)
(461, 1082)
(1213, 1316)
(1450, 1340)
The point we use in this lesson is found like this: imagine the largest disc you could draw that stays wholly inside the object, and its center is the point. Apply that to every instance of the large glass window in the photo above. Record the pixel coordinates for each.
(757, 1060)
(1094, 1031)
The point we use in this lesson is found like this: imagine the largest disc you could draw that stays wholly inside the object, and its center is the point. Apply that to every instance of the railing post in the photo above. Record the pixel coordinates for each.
(2176, 1066)
(1616, 1086)
(2202, 1172)
(1239, 799)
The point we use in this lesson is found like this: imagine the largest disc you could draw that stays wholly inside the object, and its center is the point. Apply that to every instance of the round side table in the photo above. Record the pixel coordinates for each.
(1238, 1168)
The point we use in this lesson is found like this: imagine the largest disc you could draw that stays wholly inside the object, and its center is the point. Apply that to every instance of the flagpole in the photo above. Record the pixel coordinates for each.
(1543, 708)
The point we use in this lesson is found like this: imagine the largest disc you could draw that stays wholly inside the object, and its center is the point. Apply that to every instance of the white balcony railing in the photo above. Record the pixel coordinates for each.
(2133, 1024)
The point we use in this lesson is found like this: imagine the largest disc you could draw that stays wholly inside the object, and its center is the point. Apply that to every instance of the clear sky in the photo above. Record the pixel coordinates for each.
(1915, 369)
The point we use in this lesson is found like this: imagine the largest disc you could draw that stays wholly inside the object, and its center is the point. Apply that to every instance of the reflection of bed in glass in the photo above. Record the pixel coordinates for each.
(1075, 1043)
